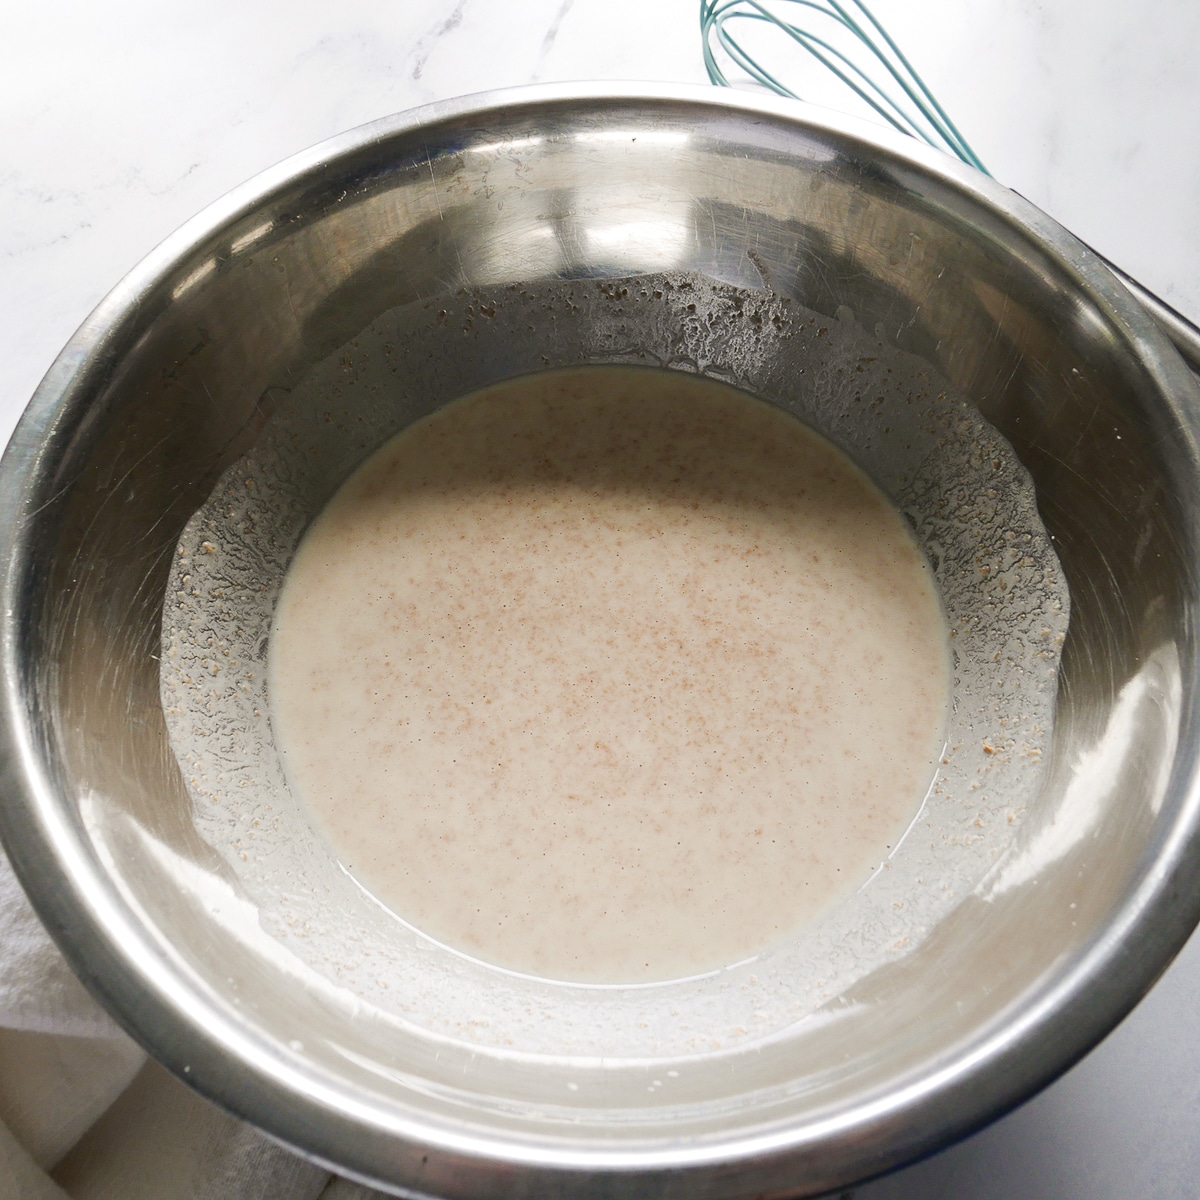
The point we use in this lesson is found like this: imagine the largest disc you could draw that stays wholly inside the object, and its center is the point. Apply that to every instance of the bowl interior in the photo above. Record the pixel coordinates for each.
(340, 298)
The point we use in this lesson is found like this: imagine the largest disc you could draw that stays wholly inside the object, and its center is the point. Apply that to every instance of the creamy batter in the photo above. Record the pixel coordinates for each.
(609, 675)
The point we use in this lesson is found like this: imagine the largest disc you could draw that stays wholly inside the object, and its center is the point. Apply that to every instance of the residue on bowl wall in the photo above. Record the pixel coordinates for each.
(971, 506)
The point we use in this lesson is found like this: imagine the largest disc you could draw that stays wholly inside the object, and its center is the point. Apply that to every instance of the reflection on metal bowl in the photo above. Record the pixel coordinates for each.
(531, 200)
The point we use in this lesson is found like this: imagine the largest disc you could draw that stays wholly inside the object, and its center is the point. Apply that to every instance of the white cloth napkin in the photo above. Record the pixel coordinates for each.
(84, 1115)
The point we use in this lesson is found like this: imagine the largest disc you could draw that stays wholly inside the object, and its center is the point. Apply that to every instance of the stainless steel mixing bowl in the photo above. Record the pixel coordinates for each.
(172, 379)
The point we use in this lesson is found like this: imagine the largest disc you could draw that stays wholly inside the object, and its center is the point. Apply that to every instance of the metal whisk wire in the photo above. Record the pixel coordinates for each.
(881, 76)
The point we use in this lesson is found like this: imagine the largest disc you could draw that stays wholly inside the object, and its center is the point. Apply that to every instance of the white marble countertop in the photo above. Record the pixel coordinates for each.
(119, 121)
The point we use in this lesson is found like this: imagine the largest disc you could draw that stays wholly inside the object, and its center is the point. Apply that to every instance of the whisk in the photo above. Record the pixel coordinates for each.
(851, 44)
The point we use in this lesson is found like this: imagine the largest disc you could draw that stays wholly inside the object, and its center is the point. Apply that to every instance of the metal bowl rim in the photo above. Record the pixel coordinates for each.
(203, 1043)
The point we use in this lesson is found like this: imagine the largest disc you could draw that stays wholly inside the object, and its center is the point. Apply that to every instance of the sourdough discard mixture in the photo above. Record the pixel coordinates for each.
(960, 489)
(609, 674)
